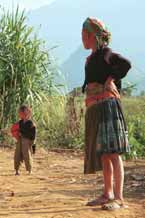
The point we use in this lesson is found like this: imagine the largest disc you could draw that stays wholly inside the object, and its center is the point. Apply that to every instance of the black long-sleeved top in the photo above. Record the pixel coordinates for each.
(104, 63)
(27, 129)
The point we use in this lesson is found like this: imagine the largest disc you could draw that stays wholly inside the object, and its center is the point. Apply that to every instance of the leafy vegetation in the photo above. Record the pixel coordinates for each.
(134, 108)
(24, 65)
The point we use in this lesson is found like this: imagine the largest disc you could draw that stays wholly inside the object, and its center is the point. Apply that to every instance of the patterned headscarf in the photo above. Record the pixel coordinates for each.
(97, 27)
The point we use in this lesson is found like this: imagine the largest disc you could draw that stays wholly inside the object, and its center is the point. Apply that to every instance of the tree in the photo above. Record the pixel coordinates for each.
(128, 89)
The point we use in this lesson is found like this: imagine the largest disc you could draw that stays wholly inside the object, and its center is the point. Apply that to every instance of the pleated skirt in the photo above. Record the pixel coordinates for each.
(105, 132)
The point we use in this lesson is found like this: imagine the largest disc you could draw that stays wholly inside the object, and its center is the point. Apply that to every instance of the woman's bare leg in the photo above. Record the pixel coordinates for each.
(118, 170)
(108, 175)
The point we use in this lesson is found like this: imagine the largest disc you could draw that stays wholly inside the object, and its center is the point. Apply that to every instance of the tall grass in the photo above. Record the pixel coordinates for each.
(23, 64)
(134, 108)
(60, 123)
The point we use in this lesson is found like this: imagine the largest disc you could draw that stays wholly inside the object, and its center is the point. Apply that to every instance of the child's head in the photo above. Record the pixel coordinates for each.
(94, 33)
(24, 112)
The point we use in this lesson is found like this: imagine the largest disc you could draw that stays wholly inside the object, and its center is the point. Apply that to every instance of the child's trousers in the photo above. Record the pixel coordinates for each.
(23, 152)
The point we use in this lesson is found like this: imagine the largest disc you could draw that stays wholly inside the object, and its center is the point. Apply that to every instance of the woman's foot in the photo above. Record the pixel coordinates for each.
(17, 173)
(114, 205)
(99, 201)
(30, 172)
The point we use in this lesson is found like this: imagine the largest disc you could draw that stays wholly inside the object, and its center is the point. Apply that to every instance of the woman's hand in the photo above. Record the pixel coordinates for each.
(111, 87)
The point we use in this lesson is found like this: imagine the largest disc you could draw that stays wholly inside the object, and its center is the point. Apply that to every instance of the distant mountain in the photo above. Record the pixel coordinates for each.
(61, 24)
(73, 68)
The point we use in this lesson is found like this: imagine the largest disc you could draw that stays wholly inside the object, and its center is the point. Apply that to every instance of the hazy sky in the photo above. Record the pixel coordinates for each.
(25, 4)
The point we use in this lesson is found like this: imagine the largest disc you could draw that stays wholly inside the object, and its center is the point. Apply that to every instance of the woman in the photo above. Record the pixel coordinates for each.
(105, 128)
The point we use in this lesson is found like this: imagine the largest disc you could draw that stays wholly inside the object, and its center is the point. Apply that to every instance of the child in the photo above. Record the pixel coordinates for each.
(24, 132)
(105, 128)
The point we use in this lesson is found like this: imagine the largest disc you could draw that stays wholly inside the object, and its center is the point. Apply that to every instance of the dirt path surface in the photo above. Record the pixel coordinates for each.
(58, 189)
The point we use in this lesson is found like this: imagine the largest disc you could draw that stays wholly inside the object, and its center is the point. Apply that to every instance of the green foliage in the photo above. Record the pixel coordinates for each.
(60, 123)
(134, 108)
(23, 65)
(50, 116)
(128, 89)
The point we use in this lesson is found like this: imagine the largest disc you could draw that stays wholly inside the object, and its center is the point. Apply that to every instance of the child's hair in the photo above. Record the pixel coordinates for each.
(22, 108)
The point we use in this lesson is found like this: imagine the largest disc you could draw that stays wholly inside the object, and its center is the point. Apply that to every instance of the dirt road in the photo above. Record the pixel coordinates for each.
(58, 189)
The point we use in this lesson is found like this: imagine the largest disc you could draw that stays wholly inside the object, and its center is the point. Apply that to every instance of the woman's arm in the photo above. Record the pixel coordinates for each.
(119, 66)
